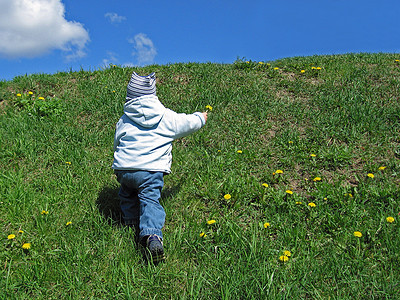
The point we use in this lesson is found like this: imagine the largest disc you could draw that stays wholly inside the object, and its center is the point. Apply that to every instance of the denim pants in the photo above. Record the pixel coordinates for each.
(140, 195)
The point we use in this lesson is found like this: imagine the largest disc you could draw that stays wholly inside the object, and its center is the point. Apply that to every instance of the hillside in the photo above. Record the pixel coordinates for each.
(298, 164)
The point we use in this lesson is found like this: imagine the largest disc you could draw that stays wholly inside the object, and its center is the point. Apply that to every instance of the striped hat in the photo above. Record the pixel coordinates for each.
(141, 85)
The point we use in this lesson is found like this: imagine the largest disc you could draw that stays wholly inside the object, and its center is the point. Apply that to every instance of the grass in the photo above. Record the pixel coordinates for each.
(327, 122)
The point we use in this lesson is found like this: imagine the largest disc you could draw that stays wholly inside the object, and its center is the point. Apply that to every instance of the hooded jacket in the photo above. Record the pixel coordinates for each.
(144, 134)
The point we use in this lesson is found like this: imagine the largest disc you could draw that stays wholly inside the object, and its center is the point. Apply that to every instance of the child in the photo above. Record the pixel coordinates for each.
(142, 156)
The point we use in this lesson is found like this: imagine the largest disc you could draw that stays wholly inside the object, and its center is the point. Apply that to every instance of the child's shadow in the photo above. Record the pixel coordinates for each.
(108, 202)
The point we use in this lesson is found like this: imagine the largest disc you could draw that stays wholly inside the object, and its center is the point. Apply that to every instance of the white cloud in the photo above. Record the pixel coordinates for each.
(145, 51)
(30, 28)
(114, 17)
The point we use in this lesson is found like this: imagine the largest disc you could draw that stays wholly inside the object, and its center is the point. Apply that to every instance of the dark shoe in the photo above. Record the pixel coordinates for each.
(155, 248)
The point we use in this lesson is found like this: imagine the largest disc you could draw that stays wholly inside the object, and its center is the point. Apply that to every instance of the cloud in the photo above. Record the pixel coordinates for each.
(114, 18)
(145, 51)
(30, 28)
(111, 59)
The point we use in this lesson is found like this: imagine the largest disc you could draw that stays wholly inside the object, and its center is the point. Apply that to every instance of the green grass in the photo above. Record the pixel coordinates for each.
(338, 120)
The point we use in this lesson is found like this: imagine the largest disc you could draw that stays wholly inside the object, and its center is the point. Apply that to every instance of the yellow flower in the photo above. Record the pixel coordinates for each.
(313, 68)
(20, 231)
(227, 196)
(382, 168)
(312, 155)
(370, 175)
(318, 68)
(287, 253)
(209, 107)
(68, 223)
(19, 95)
(239, 151)
(289, 192)
(290, 142)
(299, 202)
(266, 225)
(265, 185)
(30, 93)
(312, 204)
(357, 234)
(68, 162)
(261, 63)
(41, 98)
(283, 258)
(26, 246)
(276, 68)
(302, 71)
(279, 172)
(44, 212)
(317, 179)
(11, 236)
(397, 60)
(390, 219)
(210, 222)
(203, 235)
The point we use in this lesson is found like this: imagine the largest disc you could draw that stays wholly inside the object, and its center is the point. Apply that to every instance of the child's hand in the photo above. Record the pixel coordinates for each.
(205, 115)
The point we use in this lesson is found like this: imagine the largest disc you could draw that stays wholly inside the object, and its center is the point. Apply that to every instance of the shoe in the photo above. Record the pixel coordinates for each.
(155, 248)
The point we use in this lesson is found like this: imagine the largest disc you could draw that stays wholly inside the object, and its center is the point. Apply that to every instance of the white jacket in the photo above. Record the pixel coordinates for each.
(144, 134)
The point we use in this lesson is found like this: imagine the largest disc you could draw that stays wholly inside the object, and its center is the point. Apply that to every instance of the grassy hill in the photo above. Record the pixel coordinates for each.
(298, 165)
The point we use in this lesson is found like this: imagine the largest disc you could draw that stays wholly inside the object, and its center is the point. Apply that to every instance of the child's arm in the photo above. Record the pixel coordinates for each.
(185, 124)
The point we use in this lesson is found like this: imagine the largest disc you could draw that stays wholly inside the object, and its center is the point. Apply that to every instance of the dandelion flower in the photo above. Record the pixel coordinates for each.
(397, 60)
(302, 71)
(44, 212)
(19, 95)
(20, 231)
(313, 155)
(370, 175)
(298, 202)
(227, 196)
(382, 168)
(318, 68)
(289, 192)
(290, 142)
(313, 68)
(68, 162)
(210, 222)
(265, 185)
(68, 223)
(30, 93)
(283, 258)
(276, 68)
(357, 234)
(11, 236)
(209, 107)
(287, 253)
(312, 204)
(317, 179)
(41, 98)
(279, 172)
(266, 225)
(239, 151)
(202, 234)
(390, 219)
(26, 246)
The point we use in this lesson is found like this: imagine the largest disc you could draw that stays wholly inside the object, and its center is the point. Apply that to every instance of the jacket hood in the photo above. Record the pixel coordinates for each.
(145, 111)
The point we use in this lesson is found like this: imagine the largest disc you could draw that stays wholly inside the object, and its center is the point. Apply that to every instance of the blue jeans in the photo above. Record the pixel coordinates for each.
(140, 195)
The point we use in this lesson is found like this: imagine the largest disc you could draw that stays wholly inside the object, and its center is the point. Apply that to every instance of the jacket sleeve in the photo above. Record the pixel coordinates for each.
(185, 124)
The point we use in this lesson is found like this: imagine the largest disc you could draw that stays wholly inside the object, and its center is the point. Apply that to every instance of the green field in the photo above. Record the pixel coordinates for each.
(298, 165)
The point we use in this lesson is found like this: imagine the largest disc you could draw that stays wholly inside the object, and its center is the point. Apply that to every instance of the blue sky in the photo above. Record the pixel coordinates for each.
(49, 36)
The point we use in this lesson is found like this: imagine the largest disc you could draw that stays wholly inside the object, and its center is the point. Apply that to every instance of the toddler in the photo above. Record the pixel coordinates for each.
(142, 156)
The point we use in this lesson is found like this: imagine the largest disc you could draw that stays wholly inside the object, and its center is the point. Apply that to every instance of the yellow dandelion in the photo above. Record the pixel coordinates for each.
(313, 68)
(227, 196)
(209, 107)
(239, 151)
(299, 202)
(397, 60)
(265, 185)
(30, 93)
(312, 204)
(276, 68)
(26, 246)
(247, 62)
(44, 212)
(11, 236)
(266, 225)
(357, 234)
(317, 179)
(20, 231)
(202, 234)
(279, 172)
(68, 223)
(41, 98)
(318, 68)
(313, 155)
(302, 71)
(287, 253)
(382, 168)
(370, 175)
(289, 192)
(210, 222)
(68, 162)
(390, 219)
(19, 95)
(283, 258)
(261, 63)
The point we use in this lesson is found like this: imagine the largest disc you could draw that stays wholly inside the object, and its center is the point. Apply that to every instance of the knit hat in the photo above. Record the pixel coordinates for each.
(141, 85)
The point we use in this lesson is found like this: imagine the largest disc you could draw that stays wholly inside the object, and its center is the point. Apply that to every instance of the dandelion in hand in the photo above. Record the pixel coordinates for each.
(209, 108)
